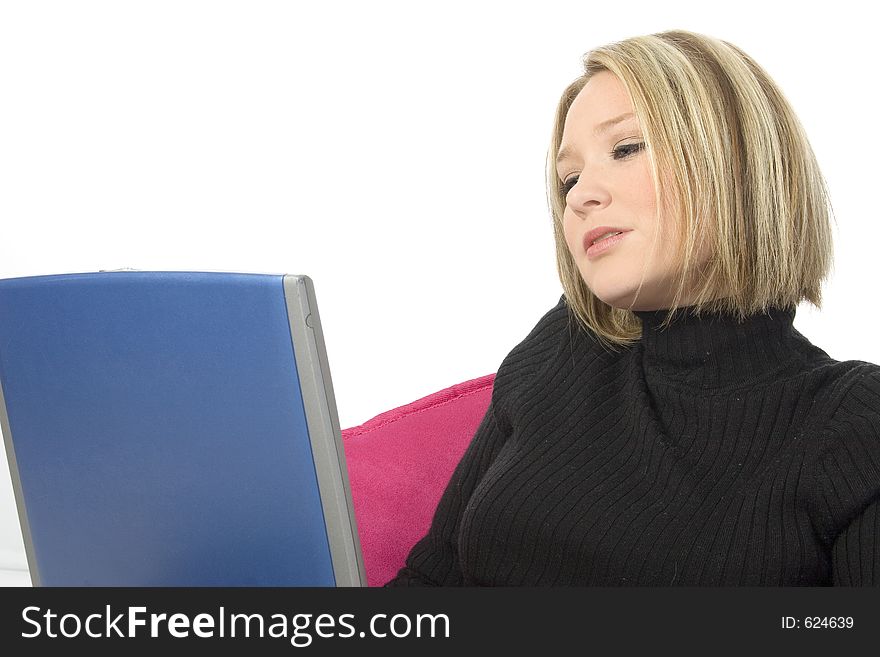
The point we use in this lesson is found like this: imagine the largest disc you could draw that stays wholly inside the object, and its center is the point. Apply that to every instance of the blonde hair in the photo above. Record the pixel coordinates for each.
(742, 173)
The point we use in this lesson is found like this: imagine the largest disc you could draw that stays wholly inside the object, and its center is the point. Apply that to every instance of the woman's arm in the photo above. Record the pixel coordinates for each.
(849, 479)
(855, 557)
(433, 560)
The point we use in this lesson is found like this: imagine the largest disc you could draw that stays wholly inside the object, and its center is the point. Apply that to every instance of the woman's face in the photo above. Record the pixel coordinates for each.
(606, 173)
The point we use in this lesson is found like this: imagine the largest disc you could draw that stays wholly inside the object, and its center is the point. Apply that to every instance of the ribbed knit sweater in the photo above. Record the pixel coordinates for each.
(710, 453)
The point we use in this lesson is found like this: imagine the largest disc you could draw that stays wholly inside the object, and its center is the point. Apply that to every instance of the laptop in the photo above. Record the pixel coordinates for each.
(174, 429)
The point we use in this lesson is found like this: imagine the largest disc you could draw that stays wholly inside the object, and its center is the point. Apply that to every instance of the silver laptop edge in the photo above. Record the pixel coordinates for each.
(19, 496)
(326, 436)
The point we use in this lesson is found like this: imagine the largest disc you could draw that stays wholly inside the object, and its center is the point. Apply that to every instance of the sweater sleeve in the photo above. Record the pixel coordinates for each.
(855, 557)
(848, 474)
(433, 560)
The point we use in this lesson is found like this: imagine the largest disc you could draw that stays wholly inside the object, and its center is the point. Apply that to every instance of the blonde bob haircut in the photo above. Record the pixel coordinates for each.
(738, 170)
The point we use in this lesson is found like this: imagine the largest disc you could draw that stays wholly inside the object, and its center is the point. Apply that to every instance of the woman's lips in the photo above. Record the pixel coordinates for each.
(603, 245)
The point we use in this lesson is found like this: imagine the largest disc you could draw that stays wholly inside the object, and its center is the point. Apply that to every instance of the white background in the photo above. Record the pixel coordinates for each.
(393, 151)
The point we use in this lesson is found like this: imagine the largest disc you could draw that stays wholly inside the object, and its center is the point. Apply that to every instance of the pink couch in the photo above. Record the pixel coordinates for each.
(399, 464)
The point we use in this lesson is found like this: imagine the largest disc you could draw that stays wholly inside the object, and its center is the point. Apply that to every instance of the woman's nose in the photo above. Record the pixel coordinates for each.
(585, 195)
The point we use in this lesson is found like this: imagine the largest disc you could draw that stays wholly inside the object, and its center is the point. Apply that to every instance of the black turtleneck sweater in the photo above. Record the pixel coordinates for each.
(710, 453)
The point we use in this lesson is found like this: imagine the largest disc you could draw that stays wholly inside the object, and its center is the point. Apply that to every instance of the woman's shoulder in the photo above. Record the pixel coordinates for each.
(533, 351)
(548, 327)
(857, 389)
(852, 431)
(541, 337)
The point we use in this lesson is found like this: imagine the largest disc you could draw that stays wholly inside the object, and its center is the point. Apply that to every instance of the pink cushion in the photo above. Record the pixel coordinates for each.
(399, 464)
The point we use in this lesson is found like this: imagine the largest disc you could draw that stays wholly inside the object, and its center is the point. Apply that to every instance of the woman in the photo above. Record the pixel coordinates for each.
(665, 423)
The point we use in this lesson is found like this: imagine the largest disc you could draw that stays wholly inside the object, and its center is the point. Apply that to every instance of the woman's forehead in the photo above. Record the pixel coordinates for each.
(597, 109)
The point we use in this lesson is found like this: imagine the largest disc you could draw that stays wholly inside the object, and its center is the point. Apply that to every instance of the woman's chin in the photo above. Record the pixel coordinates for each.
(616, 297)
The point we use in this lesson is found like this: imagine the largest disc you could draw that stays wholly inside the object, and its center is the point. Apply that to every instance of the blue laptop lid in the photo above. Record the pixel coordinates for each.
(157, 433)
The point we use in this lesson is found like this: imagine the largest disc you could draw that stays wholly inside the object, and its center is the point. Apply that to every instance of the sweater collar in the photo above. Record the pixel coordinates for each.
(715, 350)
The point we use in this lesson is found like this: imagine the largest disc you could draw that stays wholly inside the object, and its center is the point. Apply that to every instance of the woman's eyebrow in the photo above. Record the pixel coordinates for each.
(568, 152)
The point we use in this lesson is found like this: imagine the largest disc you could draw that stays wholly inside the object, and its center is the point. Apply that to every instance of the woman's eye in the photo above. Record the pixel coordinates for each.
(619, 153)
(626, 150)
(568, 184)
